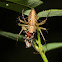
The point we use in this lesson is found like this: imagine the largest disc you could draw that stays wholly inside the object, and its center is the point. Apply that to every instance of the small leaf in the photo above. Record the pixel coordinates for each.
(51, 46)
(27, 12)
(50, 13)
(11, 35)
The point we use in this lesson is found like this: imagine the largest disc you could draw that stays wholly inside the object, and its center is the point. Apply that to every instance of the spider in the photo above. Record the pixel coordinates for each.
(31, 26)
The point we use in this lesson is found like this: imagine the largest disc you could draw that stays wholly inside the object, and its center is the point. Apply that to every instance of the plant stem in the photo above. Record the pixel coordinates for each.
(43, 57)
(39, 41)
(40, 49)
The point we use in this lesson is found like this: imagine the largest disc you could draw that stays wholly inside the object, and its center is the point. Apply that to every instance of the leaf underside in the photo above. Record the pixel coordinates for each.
(27, 3)
(51, 46)
(13, 6)
(12, 36)
(50, 13)
(19, 5)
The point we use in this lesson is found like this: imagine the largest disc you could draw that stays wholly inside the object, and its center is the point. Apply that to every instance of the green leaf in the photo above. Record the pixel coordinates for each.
(50, 13)
(19, 5)
(13, 6)
(12, 36)
(28, 3)
(27, 12)
(51, 46)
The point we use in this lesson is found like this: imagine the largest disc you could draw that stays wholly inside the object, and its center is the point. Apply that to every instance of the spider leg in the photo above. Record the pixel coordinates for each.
(19, 34)
(23, 17)
(41, 23)
(23, 28)
(22, 24)
(42, 33)
(20, 20)
(42, 29)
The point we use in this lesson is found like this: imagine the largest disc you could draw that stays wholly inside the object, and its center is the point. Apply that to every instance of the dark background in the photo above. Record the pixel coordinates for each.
(12, 52)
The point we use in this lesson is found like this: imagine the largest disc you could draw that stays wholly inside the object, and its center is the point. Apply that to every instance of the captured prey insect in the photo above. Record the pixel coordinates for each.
(31, 26)
(28, 39)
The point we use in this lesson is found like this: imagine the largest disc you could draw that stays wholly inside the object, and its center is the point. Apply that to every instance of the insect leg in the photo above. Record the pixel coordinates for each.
(23, 17)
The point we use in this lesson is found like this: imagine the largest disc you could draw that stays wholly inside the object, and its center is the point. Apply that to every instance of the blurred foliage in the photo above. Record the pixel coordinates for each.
(19, 5)
(12, 36)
